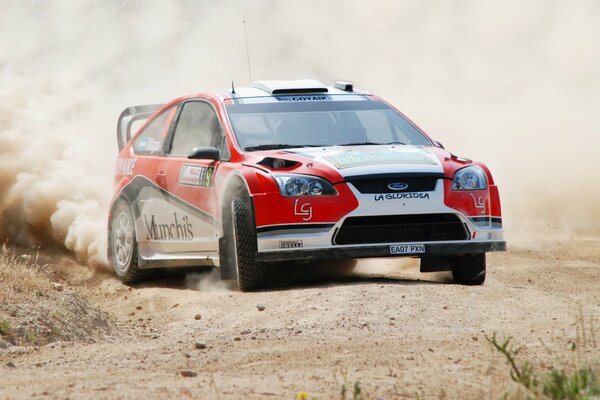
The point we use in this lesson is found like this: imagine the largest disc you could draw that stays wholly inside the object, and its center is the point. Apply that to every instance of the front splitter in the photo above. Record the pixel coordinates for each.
(380, 250)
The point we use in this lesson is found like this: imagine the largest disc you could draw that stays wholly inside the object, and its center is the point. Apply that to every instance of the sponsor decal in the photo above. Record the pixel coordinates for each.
(354, 158)
(153, 145)
(303, 98)
(407, 249)
(304, 210)
(479, 203)
(141, 144)
(125, 166)
(177, 229)
(291, 244)
(148, 144)
(195, 175)
(401, 196)
(397, 186)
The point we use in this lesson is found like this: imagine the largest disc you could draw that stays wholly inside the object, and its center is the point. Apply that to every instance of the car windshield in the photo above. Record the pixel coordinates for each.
(327, 120)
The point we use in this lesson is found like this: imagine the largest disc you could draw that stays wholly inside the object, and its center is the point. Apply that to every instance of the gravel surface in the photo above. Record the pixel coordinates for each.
(400, 335)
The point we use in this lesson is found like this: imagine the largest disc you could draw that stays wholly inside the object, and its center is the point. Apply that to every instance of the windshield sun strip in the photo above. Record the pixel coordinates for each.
(290, 107)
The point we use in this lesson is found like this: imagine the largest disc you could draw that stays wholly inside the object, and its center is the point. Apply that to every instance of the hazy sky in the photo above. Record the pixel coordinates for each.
(514, 84)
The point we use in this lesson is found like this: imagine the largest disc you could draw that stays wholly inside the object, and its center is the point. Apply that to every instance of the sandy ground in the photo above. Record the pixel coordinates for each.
(400, 335)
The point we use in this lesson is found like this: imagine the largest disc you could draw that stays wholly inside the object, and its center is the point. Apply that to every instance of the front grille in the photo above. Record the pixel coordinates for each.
(380, 184)
(401, 228)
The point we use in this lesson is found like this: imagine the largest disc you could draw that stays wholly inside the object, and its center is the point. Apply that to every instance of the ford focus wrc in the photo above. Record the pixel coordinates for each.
(293, 170)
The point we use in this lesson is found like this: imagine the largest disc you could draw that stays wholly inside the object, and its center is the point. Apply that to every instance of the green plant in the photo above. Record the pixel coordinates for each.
(357, 393)
(581, 384)
(523, 374)
(4, 327)
(557, 384)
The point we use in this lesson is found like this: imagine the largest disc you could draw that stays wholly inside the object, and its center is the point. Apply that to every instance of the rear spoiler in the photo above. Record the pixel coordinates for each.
(128, 117)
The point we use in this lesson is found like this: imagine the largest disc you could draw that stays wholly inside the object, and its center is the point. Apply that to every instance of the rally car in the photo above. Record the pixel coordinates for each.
(280, 171)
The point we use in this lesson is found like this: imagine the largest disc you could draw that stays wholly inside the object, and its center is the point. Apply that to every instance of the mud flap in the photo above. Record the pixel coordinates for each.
(436, 264)
(227, 265)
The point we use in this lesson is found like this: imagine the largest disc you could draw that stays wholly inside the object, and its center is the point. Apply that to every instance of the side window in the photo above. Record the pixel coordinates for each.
(198, 126)
(151, 140)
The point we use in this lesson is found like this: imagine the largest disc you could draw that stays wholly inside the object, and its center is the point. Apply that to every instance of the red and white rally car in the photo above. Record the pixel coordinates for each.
(293, 170)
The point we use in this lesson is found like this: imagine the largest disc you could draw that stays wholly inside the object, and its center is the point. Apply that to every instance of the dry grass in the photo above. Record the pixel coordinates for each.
(34, 311)
(19, 277)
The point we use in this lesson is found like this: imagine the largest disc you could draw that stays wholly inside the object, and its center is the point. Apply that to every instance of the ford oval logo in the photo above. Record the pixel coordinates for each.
(397, 186)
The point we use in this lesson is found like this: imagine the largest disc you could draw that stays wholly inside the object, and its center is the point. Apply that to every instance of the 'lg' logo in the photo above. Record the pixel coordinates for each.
(304, 210)
(479, 203)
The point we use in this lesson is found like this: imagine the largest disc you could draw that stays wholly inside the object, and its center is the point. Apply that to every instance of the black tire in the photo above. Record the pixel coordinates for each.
(123, 244)
(239, 247)
(469, 269)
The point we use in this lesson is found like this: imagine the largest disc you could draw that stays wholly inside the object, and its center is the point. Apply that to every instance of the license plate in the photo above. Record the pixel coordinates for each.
(407, 248)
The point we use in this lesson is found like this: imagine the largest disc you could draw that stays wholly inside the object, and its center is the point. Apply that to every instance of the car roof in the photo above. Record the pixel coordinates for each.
(271, 88)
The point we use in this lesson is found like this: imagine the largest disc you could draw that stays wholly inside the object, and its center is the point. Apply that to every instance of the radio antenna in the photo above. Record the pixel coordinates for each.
(247, 51)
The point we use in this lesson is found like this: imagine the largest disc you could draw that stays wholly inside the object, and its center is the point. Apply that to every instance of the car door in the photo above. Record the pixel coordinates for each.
(146, 193)
(191, 209)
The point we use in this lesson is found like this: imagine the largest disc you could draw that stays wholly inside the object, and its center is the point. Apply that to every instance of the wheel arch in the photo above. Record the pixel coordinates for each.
(235, 185)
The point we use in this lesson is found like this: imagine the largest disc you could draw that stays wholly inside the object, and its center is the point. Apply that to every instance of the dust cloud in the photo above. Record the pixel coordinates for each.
(515, 85)
(209, 281)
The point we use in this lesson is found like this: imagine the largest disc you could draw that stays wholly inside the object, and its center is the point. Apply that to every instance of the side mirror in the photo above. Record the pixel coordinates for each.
(438, 144)
(204, 153)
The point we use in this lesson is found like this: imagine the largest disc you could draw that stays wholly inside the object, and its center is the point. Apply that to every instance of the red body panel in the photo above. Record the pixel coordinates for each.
(272, 208)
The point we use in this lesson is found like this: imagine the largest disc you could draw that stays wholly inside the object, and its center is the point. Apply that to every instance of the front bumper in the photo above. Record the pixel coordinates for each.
(423, 224)
(381, 250)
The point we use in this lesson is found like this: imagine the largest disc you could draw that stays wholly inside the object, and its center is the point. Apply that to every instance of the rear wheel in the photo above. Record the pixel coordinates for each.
(123, 244)
(240, 246)
(469, 269)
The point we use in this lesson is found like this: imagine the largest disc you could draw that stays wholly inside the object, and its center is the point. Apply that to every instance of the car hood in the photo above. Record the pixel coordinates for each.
(336, 163)
(373, 159)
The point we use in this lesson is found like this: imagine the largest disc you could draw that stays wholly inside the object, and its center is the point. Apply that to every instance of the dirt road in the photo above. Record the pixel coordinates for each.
(399, 336)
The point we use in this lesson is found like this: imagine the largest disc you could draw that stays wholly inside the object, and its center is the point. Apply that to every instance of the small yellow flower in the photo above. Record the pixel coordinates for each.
(302, 396)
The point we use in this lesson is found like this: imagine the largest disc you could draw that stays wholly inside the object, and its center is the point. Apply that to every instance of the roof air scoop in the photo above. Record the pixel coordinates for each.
(345, 86)
(290, 87)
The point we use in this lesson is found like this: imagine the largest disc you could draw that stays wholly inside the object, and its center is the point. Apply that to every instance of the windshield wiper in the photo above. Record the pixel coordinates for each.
(281, 146)
(370, 144)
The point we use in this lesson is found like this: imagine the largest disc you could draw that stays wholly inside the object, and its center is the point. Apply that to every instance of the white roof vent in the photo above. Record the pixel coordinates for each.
(290, 87)
(345, 86)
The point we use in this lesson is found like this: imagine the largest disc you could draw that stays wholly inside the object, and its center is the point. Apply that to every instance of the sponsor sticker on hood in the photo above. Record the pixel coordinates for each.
(360, 157)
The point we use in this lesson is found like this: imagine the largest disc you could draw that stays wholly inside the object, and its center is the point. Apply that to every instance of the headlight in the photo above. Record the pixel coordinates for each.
(304, 185)
(469, 178)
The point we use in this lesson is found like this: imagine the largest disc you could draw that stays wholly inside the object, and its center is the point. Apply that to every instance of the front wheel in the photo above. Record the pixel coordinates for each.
(469, 269)
(123, 244)
(240, 246)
